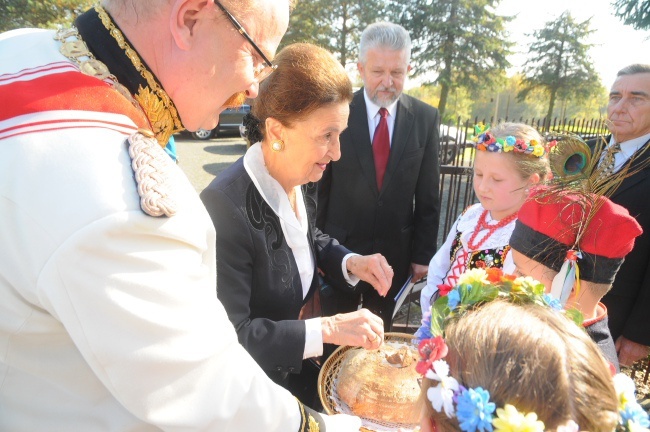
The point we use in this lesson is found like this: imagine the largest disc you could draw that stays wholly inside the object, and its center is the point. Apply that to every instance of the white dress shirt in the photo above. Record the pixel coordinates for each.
(628, 148)
(372, 110)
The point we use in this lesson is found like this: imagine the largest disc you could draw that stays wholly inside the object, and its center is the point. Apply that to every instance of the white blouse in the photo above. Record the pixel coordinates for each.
(295, 232)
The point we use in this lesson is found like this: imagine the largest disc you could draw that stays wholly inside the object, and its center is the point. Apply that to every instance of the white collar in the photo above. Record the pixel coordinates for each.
(629, 147)
(273, 193)
(294, 230)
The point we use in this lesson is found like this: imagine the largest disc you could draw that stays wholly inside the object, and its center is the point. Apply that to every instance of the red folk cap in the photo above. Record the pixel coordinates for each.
(551, 224)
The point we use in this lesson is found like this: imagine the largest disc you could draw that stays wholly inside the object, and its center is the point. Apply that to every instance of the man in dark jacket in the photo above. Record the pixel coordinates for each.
(628, 302)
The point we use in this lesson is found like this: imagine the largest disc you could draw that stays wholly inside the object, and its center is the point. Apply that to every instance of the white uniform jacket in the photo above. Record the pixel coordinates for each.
(109, 319)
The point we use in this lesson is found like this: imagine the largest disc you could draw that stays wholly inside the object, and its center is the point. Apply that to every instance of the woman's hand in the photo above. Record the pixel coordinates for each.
(359, 328)
(373, 269)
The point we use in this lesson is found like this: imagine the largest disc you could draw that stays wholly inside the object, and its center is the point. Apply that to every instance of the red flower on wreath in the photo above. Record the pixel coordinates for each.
(494, 274)
(430, 350)
(489, 139)
(444, 289)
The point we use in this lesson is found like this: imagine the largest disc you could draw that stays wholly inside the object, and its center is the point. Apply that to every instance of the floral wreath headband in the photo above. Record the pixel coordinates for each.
(486, 141)
(472, 407)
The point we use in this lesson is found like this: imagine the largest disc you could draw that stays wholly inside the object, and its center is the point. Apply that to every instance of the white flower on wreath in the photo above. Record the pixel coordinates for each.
(525, 281)
(472, 276)
(442, 395)
(625, 390)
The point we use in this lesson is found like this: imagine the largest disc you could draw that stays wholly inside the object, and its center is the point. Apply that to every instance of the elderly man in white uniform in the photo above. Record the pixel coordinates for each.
(109, 319)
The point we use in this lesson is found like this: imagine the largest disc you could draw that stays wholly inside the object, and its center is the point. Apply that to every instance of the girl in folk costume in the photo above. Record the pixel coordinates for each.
(510, 158)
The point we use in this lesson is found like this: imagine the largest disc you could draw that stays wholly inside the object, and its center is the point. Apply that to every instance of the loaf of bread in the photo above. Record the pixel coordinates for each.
(381, 385)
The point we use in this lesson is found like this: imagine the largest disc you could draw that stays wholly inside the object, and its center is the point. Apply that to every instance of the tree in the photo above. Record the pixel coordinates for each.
(44, 14)
(634, 12)
(558, 63)
(494, 105)
(335, 25)
(464, 42)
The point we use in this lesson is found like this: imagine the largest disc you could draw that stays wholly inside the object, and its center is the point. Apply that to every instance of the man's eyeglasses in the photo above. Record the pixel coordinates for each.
(269, 67)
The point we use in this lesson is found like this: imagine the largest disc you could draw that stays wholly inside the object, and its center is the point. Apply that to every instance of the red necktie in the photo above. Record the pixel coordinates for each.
(381, 146)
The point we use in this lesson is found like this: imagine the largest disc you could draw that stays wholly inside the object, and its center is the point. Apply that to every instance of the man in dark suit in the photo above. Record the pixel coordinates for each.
(628, 303)
(382, 195)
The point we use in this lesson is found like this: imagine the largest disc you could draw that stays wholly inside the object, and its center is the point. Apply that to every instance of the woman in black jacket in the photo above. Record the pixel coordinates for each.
(269, 252)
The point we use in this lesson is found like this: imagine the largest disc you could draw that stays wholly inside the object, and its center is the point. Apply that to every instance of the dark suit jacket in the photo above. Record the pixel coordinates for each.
(399, 221)
(628, 302)
(257, 276)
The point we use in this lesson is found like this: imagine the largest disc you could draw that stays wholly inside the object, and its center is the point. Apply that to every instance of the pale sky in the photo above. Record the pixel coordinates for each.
(616, 45)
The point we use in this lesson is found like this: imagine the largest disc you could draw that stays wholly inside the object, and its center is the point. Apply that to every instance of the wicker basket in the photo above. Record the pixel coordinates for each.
(327, 386)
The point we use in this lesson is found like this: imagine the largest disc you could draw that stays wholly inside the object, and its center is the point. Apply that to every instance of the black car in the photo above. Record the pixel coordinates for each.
(229, 121)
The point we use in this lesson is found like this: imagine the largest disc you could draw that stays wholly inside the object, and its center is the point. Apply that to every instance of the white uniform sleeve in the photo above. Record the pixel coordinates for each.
(136, 294)
(438, 269)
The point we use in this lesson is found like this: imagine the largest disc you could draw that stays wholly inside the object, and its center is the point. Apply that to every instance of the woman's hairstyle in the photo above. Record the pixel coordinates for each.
(527, 164)
(533, 358)
(384, 35)
(307, 78)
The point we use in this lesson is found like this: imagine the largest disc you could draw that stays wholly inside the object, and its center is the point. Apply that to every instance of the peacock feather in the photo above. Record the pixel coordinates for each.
(570, 158)
(576, 171)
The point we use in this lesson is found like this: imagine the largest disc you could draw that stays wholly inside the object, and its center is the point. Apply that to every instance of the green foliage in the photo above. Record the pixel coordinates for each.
(43, 14)
(439, 311)
(505, 104)
(336, 25)
(426, 93)
(559, 64)
(634, 12)
(463, 42)
(479, 286)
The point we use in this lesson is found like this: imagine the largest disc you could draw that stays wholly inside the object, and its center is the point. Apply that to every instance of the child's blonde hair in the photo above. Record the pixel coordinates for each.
(532, 358)
(527, 165)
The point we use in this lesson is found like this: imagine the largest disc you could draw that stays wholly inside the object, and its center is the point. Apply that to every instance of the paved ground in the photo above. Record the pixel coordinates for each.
(203, 160)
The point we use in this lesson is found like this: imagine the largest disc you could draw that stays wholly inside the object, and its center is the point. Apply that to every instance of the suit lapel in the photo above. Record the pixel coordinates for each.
(360, 139)
(401, 131)
(640, 157)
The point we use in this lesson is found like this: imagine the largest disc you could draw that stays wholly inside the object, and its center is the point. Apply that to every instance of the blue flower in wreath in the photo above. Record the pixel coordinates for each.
(635, 413)
(424, 332)
(474, 410)
(552, 302)
(453, 298)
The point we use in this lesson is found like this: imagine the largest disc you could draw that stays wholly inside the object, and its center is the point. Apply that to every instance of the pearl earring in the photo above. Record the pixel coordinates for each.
(277, 145)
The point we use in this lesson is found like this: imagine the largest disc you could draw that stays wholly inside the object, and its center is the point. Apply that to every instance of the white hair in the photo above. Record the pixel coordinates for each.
(385, 35)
